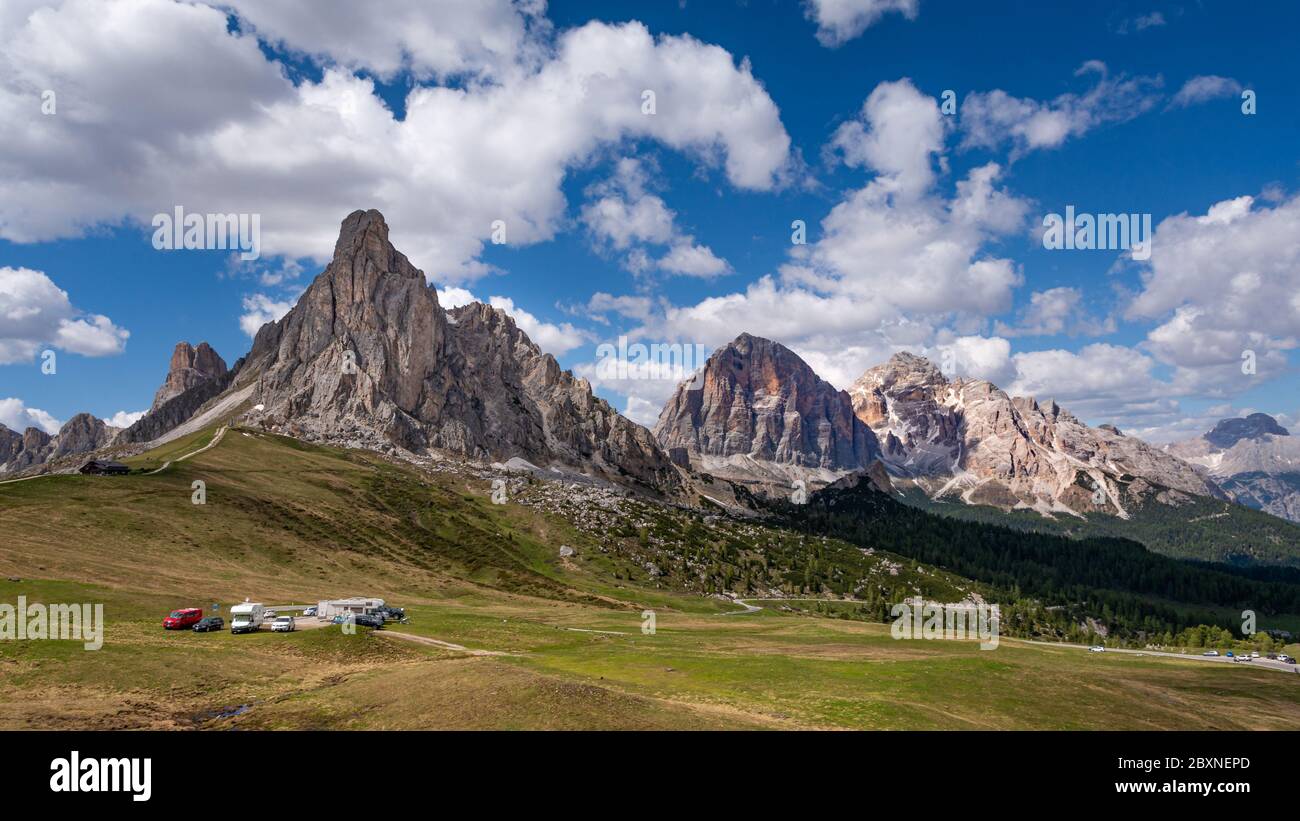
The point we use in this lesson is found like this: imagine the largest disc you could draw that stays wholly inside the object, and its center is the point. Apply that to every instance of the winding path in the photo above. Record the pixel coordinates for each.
(221, 432)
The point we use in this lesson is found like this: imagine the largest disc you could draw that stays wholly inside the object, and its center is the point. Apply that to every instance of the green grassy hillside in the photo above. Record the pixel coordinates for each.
(505, 632)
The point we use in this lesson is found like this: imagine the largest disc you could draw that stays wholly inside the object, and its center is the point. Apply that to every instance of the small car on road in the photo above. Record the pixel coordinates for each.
(282, 624)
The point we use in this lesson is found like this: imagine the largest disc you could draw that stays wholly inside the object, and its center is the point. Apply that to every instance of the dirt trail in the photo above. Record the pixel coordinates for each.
(216, 440)
(445, 645)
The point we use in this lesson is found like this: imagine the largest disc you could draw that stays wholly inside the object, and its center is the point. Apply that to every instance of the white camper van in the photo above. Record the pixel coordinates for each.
(246, 618)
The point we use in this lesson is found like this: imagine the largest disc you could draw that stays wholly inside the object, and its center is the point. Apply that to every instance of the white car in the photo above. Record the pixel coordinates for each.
(282, 624)
(1096, 648)
(1255, 654)
(1210, 653)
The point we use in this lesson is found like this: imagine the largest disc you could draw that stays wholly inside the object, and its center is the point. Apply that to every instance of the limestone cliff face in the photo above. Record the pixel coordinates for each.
(969, 439)
(189, 367)
(760, 401)
(369, 351)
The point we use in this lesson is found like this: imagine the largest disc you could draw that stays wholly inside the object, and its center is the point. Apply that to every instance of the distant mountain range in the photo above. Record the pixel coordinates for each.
(1254, 459)
(764, 416)
(368, 358)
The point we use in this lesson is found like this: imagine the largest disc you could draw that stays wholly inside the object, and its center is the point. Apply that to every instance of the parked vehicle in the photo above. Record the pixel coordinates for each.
(1255, 654)
(183, 618)
(246, 617)
(1285, 659)
(1229, 654)
(1210, 653)
(363, 619)
(209, 624)
(1096, 648)
(310, 611)
(282, 624)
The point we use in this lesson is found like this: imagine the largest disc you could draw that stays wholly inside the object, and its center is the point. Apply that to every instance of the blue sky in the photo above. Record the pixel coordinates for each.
(922, 226)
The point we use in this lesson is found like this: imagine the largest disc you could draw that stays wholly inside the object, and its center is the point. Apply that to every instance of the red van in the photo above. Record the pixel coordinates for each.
(183, 619)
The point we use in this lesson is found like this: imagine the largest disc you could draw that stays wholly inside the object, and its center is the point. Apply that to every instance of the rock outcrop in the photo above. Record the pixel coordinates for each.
(82, 434)
(758, 411)
(967, 439)
(189, 367)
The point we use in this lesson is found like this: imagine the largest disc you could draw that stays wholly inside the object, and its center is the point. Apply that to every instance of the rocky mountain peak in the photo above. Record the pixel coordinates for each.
(1255, 426)
(758, 400)
(189, 366)
(367, 355)
(968, 438)
(81, 434)
(906, 367)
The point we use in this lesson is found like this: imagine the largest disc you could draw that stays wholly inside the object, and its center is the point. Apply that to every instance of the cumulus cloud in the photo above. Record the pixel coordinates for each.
(1203, 88)
(452, 297)
(440, 39)
(15, 415)
(34, 313)
(1056, 311)
(623, 216)
(839, 21)
(259, 309)
(125, 419)
(1222, 285)
(895, 260)
(898, 134)
(231, 132)
(994, 118)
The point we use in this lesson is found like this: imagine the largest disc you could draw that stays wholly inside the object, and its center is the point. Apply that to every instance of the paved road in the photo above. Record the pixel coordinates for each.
(1221, 659)
(1259, 662)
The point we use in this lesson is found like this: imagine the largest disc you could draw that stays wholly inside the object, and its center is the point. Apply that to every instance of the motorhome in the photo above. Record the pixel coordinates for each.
(246, 617)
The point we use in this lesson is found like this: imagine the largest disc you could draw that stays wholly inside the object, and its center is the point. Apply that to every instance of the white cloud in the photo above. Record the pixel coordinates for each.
(1142, 22)
(634, 307)
(894, 262)
(447, 37)
(1222, 284)
(1055, 311)
(229, 131)
(623, 216)
(643, 411)
(34, 312)
(15, 415)
(1203, 88)
(839, 21)
(899, 132)
(260, 309)
(452, 297)
(125, 419)
(688, 259)
(992, 118)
